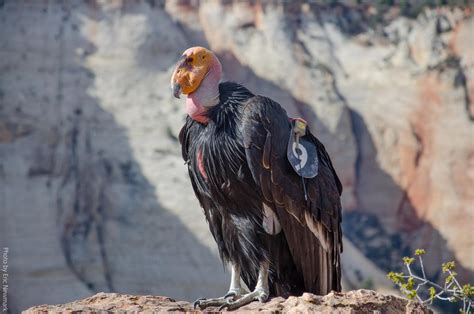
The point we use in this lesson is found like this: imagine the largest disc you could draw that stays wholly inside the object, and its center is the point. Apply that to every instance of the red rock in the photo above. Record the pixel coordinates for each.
(360, 301)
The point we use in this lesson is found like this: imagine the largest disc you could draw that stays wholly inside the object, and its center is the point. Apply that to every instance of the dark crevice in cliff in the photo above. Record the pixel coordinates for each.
(100, 230)
(419, 145)
(356, 124)
(364, 228)
(460, 80)
(85, 218)
(77, 220)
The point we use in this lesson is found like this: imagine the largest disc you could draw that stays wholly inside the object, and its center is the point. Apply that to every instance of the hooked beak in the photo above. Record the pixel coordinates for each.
(176, 90)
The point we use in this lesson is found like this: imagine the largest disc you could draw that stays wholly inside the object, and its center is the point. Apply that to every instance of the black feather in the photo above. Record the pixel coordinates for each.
(243, 148)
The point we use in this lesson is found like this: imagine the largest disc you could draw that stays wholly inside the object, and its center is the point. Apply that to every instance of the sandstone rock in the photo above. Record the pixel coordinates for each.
(393, 101)
(360, 301)
(302, 68)
(414, 141)
(94, 195)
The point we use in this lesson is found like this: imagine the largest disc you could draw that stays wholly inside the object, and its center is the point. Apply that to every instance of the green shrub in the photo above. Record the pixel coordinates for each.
(419, 288)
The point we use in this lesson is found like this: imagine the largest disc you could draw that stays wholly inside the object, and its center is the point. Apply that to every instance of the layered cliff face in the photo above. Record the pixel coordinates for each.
(94, 195)
(391, 102)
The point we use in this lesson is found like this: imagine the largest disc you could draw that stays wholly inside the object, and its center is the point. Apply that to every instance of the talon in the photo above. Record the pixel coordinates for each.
(222, 307)
(230, 294)
(197, 302)
(263, 298)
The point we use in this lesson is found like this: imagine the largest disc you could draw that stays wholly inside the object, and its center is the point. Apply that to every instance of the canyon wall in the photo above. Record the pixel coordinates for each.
(94, 195)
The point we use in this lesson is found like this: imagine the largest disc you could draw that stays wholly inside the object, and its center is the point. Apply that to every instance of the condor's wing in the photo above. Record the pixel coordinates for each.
(313, 227)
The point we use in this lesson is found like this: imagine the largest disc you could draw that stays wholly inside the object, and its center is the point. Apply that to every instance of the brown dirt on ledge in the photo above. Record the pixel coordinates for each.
(358, 301)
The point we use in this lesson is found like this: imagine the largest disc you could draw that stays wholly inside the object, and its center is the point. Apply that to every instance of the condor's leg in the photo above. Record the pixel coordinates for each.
(235, 291)
(260, 293)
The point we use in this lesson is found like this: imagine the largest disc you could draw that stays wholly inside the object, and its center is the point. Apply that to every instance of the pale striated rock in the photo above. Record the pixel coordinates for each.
(360, 301)
(394, 112)
(273, 46)
(94, 195)
(416, 141)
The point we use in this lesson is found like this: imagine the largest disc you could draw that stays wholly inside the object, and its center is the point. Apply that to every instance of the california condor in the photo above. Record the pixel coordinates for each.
(279, 229)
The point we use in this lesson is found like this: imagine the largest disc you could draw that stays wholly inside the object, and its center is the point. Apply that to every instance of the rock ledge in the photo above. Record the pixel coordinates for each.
(358, 301)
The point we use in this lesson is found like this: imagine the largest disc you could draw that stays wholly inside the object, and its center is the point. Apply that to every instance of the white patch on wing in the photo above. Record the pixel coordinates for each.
(317, 229)
(271, 224)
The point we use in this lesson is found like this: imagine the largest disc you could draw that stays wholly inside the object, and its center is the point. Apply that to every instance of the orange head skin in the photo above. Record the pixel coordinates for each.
(190, 70)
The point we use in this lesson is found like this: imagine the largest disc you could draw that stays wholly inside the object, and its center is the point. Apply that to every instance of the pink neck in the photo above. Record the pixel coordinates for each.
(207, 94)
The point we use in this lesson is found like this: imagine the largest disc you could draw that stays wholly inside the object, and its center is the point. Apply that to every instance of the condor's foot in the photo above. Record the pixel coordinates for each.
(202, 303)
(259, 294)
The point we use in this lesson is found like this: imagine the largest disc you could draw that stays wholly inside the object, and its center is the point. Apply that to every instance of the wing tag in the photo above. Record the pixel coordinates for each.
(301, 152)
